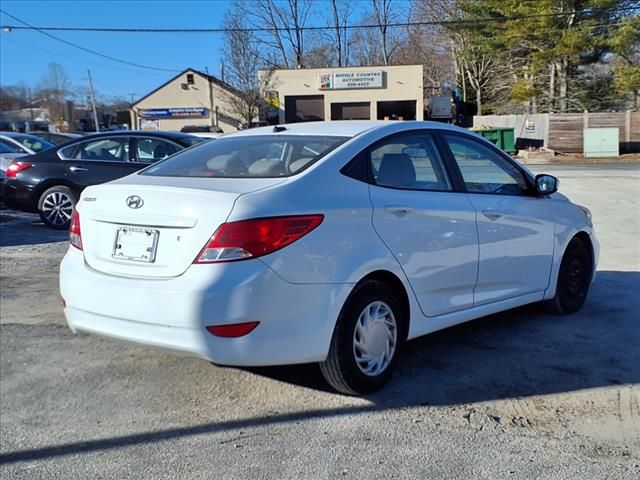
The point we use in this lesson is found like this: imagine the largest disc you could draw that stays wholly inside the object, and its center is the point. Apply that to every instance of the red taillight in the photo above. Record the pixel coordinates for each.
(255, 238)
(17, 167)
(232, 331)
(75, 236)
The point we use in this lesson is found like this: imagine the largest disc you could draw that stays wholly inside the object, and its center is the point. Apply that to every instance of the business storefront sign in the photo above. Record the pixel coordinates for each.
(149, 125)
(351, 80)
(184, 112)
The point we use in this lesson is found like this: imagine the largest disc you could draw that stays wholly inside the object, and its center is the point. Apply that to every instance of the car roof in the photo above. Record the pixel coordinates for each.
(18, 134)
(60, 134)
(114, 133)
(205, 134)
(152, 133)
(341, 128)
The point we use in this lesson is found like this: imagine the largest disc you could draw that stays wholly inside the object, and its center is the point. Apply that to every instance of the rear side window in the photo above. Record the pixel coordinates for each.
(410, 162)
(154, 149)
(259, 156)
(102, 149)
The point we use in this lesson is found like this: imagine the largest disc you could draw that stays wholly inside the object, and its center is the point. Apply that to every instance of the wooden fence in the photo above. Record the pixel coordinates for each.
(565, 129)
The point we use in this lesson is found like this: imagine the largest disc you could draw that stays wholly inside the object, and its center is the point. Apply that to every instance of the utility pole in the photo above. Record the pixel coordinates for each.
(212, 116)
(30, 104)
(93, 102)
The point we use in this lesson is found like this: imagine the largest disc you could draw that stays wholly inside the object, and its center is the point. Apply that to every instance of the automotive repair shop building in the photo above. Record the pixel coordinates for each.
(348, 93)
(191, 98)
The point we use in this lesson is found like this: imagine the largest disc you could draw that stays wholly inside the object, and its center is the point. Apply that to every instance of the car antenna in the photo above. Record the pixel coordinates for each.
(279, 128)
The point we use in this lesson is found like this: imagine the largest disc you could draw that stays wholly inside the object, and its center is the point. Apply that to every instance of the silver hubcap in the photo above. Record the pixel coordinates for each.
(375, 338)
(57, 208)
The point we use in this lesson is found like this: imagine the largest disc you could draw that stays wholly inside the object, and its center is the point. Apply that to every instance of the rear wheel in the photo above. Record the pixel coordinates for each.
(367, 338)
(56, 207)
(574, 279)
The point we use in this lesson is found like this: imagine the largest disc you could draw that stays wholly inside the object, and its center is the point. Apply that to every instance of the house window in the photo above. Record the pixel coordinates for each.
(190, 80)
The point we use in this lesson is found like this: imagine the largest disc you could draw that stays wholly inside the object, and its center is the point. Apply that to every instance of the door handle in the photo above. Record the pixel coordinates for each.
(491, 214)
(78, 169)
(398, 210)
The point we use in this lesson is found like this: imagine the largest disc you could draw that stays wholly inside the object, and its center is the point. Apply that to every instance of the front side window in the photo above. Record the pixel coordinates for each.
(103, 149)
(485, 171)
(410, 162)
(154, 149)
(254, 156)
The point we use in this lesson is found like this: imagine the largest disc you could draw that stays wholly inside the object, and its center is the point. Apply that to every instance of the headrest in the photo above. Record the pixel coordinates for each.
(396, 170)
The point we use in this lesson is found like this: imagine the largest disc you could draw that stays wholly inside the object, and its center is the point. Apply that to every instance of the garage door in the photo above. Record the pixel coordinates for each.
(397, 110)
(303, 108)
(351, 111)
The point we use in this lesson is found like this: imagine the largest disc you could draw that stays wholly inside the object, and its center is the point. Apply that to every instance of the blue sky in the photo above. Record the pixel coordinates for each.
(24, 55)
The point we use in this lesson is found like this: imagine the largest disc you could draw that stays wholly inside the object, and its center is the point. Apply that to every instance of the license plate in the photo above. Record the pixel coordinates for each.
(136, 244)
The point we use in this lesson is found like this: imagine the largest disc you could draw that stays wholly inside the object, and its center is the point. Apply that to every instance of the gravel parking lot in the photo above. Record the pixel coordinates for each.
(518, 395)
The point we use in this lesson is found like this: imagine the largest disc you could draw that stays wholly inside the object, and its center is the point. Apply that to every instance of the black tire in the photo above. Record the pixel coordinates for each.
(341, 368)
(55, 206)
(574, 279)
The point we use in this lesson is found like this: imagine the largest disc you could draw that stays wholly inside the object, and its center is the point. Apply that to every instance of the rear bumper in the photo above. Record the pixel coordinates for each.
(18, 196)
(296, 321)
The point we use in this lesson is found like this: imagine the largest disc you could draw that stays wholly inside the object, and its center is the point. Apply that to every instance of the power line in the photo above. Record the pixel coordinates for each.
(77, 60)
(476, 21)
(109, 57)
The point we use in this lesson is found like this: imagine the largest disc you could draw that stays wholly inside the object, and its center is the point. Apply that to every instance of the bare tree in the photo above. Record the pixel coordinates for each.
(14, 97)
(478, 67)
(429, 45)
(385, 12)
(319, 54)
(284, 22)
(365, 47)
(243, 60)
(338, 37)
(53, 90)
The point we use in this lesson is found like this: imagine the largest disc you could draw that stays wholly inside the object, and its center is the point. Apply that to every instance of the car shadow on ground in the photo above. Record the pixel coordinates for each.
(521, 352)
(17, 228)
(518, 353)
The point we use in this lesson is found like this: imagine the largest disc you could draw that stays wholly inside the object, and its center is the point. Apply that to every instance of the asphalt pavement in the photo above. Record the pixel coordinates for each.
(522, 394)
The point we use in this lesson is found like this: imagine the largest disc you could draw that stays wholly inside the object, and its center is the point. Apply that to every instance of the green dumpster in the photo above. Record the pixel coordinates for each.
(504, 138)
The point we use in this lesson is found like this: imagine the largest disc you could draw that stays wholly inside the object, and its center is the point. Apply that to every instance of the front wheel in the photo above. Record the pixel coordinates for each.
(56, 207)
(574, 279)
(365, 344)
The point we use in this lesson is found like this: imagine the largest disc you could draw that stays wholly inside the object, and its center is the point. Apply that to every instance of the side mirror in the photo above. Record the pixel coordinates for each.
(546, 184)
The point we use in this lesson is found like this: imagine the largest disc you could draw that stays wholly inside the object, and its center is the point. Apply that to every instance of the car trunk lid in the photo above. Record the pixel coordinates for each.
(155, 226)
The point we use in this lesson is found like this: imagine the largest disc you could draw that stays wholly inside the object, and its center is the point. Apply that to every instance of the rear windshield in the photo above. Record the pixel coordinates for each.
(190, 140)
(34, 143)
(4, 148)
(259, 156)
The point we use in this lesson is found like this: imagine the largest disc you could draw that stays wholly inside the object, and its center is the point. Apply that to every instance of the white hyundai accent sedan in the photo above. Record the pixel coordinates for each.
(329, 242)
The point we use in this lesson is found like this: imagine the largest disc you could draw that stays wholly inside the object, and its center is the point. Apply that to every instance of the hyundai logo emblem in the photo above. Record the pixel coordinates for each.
(134, 201)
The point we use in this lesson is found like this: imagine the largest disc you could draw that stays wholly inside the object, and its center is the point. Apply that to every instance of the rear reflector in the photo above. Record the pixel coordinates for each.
(75, 236)
(255, 238)
(17, 167)
(233, 330)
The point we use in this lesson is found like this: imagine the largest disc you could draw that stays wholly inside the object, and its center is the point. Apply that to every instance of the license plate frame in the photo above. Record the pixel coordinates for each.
(136, 244)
